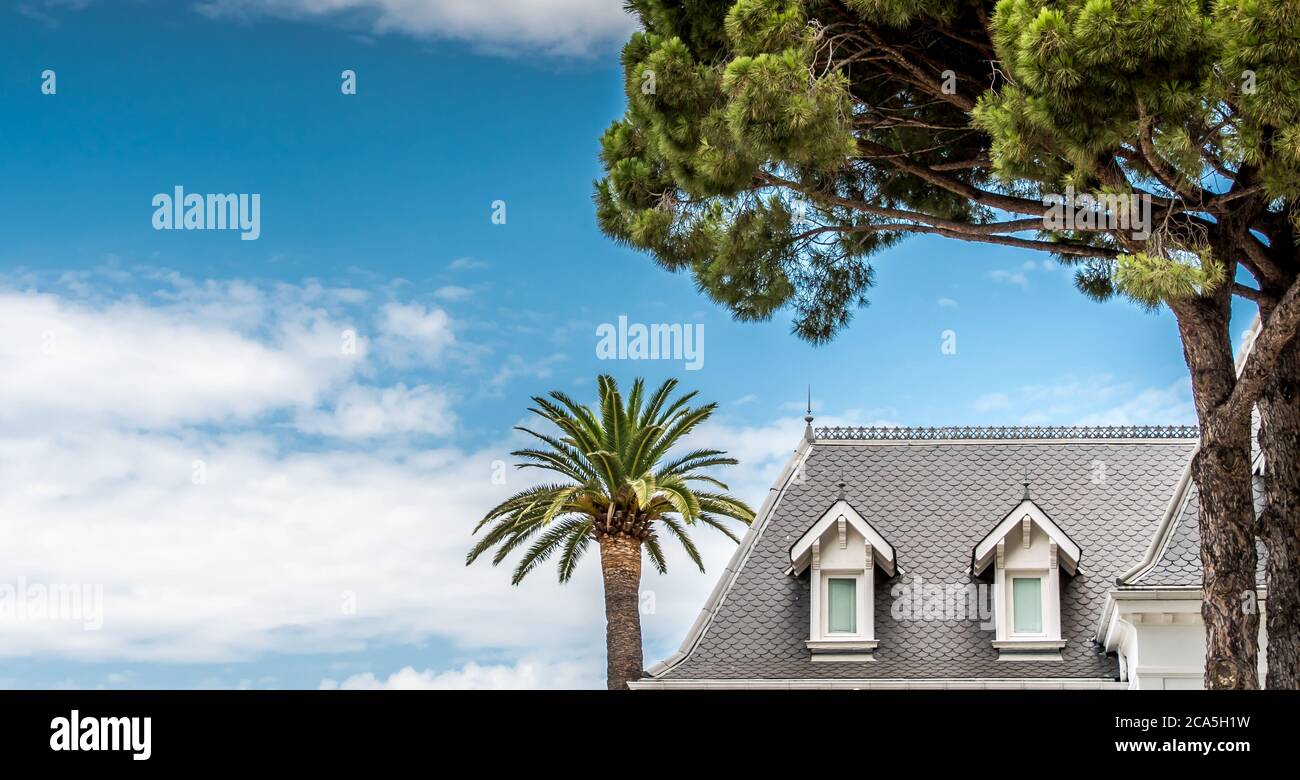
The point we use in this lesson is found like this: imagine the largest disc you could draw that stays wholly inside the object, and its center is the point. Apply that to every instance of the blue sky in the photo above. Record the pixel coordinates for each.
(329, 475)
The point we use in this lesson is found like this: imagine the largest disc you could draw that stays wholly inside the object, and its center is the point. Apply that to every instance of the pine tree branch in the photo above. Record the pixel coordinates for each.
(1169, 178)
(1247, 292)
(962, 165)
(1054, 247)
(983, 237)
(930, 82)
(987, 232)
(902, 162)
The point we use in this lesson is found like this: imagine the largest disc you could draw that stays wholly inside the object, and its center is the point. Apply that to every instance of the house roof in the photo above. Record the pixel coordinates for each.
(934, 494)
(1175, 559)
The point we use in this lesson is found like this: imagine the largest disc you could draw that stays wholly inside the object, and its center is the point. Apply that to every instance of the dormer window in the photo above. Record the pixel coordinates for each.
(842, 553)
(842, 605)
(1026, 552)
(1027, 606)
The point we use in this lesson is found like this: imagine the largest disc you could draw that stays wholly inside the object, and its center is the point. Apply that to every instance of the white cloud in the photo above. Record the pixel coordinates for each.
(268, 555)
(947, 303)
(129, 362)
(516, 366)
(411, 333)
(523, 675)
(269, 552)
(215, 538)
(466, 264)
(566, 27)
(1098, 400)
(1157, 405)
(364, 412)
(1017, 278)
(452, 293)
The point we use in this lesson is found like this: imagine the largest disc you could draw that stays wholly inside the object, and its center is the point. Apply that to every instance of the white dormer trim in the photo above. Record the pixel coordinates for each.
(841, 553)
(1026, 515)
(1027, 549)
(841, 514)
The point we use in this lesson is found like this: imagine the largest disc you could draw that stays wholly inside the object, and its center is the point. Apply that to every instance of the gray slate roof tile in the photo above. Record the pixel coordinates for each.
(1178, 563)
(934, 500)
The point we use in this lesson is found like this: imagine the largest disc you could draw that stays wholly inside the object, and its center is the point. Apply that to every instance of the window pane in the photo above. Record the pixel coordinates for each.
(842, 609)
(1028, 610)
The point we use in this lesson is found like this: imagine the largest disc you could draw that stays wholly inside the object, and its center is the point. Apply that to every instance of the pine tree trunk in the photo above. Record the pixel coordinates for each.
(1221, 470)
(620, 564)
(1279, 525)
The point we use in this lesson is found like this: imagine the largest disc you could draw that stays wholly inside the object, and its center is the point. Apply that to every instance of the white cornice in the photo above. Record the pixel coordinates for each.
(1133, 600)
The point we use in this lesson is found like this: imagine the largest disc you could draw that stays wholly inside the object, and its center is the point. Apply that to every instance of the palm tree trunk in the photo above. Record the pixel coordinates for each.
(620, 564)
(1221, 470)
(1279, 525)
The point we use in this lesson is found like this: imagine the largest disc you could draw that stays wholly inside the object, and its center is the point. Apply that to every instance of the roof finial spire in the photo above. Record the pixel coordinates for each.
(1026, 484)
(841, 485)
(808, 419)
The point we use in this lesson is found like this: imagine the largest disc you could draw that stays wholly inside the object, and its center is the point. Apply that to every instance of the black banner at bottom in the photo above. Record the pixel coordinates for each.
(517, 730)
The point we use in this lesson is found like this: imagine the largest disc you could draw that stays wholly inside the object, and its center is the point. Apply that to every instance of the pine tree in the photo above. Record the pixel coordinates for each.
(771, 148)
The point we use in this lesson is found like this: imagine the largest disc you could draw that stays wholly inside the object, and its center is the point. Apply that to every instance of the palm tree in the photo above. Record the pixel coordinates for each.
(621, 490)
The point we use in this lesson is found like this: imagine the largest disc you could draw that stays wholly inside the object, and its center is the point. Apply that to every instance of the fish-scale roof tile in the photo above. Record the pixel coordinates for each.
(934, 500)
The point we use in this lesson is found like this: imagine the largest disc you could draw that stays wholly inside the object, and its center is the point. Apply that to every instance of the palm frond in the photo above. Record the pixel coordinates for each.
(558, 462)
(574, 547)
(618, 479)
(655, 553)
(675, 528)
(680, 495)
(726, 505)
(680, 426)
(705, 478)
(718, 525)
(558, 536)
(657, 401)
(687, 462)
